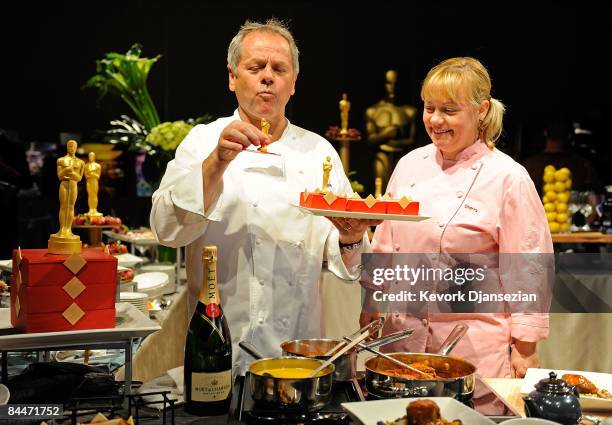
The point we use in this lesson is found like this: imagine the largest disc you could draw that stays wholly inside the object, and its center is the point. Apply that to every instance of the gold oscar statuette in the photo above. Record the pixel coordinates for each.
(93, 170)
(327, 167)
(69, 171)
(265, 129)
(345, 107)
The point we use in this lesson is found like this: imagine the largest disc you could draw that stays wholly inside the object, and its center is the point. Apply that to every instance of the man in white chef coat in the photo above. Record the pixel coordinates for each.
(220, 191)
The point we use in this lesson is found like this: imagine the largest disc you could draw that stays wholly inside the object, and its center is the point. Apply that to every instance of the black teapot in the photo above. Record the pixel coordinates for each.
(555, 400)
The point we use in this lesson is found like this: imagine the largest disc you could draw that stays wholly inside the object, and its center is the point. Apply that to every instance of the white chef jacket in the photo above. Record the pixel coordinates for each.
(269, 251)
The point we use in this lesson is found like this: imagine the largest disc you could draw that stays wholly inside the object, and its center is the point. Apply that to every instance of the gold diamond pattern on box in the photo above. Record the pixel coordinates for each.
(330, 198)
(370, 201)
(73, 313)
(355, 196)
(404, 202)
(17, 306)
(74, 287)
(74, 263)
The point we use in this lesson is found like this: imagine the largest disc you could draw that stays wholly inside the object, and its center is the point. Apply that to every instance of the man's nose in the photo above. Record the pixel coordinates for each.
(267, 77)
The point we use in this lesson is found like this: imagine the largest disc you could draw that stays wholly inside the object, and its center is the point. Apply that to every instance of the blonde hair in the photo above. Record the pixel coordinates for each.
(465, 78)
(272, 25)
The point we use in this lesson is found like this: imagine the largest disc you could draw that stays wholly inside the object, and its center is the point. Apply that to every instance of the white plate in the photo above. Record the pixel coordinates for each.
(371, 412)
(602, 380)
(5, 394)
(363, 215)
(128, 260)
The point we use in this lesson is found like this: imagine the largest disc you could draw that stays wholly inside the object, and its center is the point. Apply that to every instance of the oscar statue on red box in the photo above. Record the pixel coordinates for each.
(69, 171)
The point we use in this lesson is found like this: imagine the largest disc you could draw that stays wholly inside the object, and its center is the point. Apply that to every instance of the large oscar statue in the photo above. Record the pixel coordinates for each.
(70, 172)
(93, 170)
(391, 128)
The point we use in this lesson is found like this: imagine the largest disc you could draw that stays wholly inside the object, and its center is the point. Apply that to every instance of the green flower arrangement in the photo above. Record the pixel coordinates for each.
(125, 76)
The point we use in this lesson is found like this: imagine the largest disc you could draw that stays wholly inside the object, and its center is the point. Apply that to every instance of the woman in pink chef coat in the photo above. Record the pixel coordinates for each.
(480, 201)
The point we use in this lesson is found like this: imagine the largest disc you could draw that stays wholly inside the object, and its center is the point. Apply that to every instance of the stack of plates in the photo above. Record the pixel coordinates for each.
(137, 299)
(168, 269)
(151, 283)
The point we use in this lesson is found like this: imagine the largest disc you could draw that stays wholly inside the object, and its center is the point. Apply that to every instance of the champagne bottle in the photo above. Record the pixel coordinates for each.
(208, 348)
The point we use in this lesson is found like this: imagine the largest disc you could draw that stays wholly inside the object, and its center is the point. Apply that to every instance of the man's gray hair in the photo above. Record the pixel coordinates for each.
(272, 25)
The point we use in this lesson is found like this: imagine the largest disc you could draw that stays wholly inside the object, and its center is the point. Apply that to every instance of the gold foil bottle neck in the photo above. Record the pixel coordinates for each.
(209, 253)
(210, 290)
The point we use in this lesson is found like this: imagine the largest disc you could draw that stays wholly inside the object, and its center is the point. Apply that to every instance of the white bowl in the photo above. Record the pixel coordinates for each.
(529, 421)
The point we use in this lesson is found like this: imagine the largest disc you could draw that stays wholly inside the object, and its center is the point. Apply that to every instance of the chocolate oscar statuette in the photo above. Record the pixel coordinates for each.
(265, 129)
(327, 167)
(69, 171)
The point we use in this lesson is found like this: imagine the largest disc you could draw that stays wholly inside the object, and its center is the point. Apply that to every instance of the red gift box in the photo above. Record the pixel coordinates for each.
(322, 201)
(51, 293)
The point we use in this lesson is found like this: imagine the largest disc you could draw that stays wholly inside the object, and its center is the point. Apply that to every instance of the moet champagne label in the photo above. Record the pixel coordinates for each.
(211, 386)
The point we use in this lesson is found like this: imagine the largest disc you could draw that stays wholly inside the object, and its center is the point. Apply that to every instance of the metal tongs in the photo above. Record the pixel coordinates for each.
(371, 327)
(374, 326)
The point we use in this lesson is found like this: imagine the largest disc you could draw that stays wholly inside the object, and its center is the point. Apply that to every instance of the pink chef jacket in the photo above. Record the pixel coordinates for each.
(483, 202)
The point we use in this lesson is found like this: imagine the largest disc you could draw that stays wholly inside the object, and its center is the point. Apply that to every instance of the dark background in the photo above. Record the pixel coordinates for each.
(545, 59)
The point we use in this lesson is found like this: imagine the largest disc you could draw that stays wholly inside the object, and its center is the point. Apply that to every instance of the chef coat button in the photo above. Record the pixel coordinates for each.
(290, 283)
(425, 156)
(411, 184)
(425, 323)
(397, 247)
(459, 194)
(475, 166)
(261, 282)
(440, 224)
(258, 241)
(260, 320)
(299, 244)
(396, 315)
(301, 171)
(254, 203)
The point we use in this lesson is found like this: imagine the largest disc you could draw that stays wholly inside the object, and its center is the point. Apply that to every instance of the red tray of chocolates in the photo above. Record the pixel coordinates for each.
(331, 205)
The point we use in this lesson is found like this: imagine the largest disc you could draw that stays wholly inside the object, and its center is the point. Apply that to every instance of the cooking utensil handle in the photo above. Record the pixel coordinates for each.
(392, 359)
(451, 341)
(394, 337)
(250, 348)
(341, 352)
(374, 324)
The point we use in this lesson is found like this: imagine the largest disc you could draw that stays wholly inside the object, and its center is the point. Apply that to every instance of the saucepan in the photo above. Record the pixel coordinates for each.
(283, 382)
(323, 349)
(447, 376)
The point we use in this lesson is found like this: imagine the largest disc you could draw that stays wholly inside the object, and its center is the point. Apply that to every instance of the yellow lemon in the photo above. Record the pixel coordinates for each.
(560, 176)
(559, 187)
(551, 216)
(561, 207)
(568, 184)
(549, 169)
(549, 207)
(545, 200)
(548, 177)
(552, 196)
(554, 227)
(548, 187)
(565, 170)
(564, 227)
(562, 217)
(563, 197)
